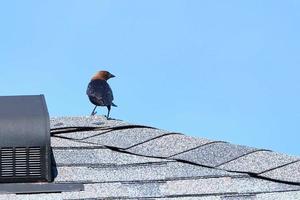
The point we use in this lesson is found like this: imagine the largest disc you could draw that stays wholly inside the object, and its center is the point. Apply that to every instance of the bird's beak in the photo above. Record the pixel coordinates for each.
(111, 76)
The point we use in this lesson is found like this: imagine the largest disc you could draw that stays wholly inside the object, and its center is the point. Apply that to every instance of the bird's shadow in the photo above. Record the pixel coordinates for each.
(98, 123)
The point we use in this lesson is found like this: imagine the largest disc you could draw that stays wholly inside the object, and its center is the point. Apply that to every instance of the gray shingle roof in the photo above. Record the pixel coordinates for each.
(148, 163)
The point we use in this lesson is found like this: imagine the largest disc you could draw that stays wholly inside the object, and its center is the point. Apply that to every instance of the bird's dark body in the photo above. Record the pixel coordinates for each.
(100, 93)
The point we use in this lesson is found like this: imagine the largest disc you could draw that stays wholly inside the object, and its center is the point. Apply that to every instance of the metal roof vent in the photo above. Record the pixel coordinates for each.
(24, 139)
(25, 151)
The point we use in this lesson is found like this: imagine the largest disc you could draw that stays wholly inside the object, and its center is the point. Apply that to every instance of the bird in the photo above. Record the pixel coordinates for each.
(99, 91)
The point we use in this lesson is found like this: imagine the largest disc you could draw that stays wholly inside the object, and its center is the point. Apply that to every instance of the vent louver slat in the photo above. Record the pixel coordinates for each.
(7, 169)
(20, 162)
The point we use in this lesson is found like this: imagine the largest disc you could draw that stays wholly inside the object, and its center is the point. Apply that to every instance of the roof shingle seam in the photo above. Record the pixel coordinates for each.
(184, 161)
(110, 198)
(80, 140)
(202, 145)
(104, 132)
(160, 136)
(68, 129)
(261, 177)
(120, 150)
(273, 191)
(254, 151)
(133, 182)
(239, 195)
(234, 176)
(280, 166)
(196, 195)
(79, 147)
(75, 140)
(72, 129)
(167, 179)
(111, 165)
(196, 164)
(224, 194)
(254, 175)
(55, 133)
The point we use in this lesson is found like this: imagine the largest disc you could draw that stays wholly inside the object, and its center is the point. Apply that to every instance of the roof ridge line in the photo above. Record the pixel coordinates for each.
(91, 136)
(93, 128)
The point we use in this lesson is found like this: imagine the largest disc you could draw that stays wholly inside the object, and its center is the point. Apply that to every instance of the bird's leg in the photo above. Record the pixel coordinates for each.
(93, 112)
(108, 111)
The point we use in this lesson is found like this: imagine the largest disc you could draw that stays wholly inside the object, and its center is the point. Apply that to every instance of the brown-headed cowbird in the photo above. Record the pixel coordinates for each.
(99, 92)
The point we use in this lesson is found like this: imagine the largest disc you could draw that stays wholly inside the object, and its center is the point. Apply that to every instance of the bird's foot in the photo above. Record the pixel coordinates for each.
(93, 113)
(107, 117)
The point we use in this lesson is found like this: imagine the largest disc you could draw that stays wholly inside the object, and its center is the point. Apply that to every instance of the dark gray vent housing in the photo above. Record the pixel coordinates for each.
(24, 139)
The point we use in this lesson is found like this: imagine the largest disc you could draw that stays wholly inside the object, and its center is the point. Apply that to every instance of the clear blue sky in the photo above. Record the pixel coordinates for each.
(224, 70)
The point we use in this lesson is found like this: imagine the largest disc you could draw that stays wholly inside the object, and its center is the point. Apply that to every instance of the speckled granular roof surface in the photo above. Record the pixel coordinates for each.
(117, 161)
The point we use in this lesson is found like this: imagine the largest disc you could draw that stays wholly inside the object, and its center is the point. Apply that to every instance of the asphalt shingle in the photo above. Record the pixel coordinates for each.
(168, 145)
(89, 157)
(111, 174)
(117, 138)
(224, 185)
(183, 170)
(289, 173)
(66, 143)
(294, 195)
(214, 154)
(127, 138)
(106, 162)
(239, 197)
(258, 162)
(156, 171)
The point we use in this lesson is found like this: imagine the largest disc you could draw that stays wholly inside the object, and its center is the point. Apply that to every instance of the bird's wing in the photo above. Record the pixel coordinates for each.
(100, 91)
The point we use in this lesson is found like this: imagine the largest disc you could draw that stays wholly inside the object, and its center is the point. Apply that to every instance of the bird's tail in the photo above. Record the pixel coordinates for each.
(114, 105)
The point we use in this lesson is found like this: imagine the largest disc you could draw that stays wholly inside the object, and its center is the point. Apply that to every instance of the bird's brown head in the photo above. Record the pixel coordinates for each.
(102, 75)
